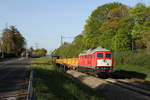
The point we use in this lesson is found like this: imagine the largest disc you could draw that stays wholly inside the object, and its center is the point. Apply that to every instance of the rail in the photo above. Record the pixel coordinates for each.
(131, 87)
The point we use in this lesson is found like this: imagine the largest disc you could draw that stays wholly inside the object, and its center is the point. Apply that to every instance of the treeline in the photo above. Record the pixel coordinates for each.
(12, 42)
(37, 52)
(113, 26)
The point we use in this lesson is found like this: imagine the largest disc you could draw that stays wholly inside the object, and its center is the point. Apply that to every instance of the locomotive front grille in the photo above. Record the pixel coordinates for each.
(104, 69)
(101, 62)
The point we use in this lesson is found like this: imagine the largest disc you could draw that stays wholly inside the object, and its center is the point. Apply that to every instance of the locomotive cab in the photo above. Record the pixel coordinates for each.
(104, 61)
(98, 60)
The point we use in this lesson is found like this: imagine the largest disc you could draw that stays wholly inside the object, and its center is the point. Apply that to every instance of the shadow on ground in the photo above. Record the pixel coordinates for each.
(122, 74)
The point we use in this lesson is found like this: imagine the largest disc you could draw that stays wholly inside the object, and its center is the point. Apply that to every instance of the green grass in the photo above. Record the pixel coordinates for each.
(133, 64)
(42, 60)
(134, 71)
(53, 85)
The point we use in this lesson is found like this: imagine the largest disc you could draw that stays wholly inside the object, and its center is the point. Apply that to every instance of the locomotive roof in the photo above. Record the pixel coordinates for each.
(92, 50)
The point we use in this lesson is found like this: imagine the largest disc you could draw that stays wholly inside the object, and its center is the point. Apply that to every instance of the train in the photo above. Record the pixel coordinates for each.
(97, 60)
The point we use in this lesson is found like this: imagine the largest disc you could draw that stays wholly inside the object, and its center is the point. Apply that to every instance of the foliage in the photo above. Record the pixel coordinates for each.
(139, 57)
(113, 26)
(70, 50)
(101, 19)
(146, 35)
(12, 41)
(38, 52)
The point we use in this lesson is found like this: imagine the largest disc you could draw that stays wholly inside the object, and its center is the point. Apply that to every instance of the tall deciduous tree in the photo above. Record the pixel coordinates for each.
(140, 14)
(103, 18)
(12, 41)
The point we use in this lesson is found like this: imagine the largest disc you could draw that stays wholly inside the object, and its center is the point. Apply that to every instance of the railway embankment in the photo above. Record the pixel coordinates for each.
(112, 89)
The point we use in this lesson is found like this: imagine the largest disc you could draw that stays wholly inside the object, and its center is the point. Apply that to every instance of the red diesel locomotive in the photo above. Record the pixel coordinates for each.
(98, 59)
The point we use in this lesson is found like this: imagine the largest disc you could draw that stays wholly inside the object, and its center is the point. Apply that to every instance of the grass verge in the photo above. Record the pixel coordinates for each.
(54, 85)
(134, 71)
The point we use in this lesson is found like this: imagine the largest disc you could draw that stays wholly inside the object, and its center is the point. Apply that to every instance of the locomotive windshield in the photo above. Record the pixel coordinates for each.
(99, 55)
(108, 55)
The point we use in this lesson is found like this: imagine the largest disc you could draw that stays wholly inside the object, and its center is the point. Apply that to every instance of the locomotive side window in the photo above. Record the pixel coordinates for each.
(108, 55)
(99, 55)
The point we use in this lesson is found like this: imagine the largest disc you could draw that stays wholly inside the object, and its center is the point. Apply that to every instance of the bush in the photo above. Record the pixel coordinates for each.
(140, 58)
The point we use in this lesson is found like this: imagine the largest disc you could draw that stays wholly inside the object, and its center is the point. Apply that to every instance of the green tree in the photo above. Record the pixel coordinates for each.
(12, 41)
(146, 35)
(140, 14)
(98, 19)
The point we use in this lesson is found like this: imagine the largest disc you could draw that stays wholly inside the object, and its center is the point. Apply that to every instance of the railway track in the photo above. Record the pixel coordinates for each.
(123, 83)
(133, 87)
(136, 87)
(128, 87)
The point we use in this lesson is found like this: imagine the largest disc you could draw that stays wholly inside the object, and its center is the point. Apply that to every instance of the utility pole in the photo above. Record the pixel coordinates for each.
(63, 37)
(36, 45)
(6, 25)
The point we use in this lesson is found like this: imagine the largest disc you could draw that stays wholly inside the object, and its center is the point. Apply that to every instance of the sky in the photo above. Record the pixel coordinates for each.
(42, 22)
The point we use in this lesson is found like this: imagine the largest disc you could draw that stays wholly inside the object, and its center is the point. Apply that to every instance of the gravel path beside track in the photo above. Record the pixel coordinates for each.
(12, 79)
